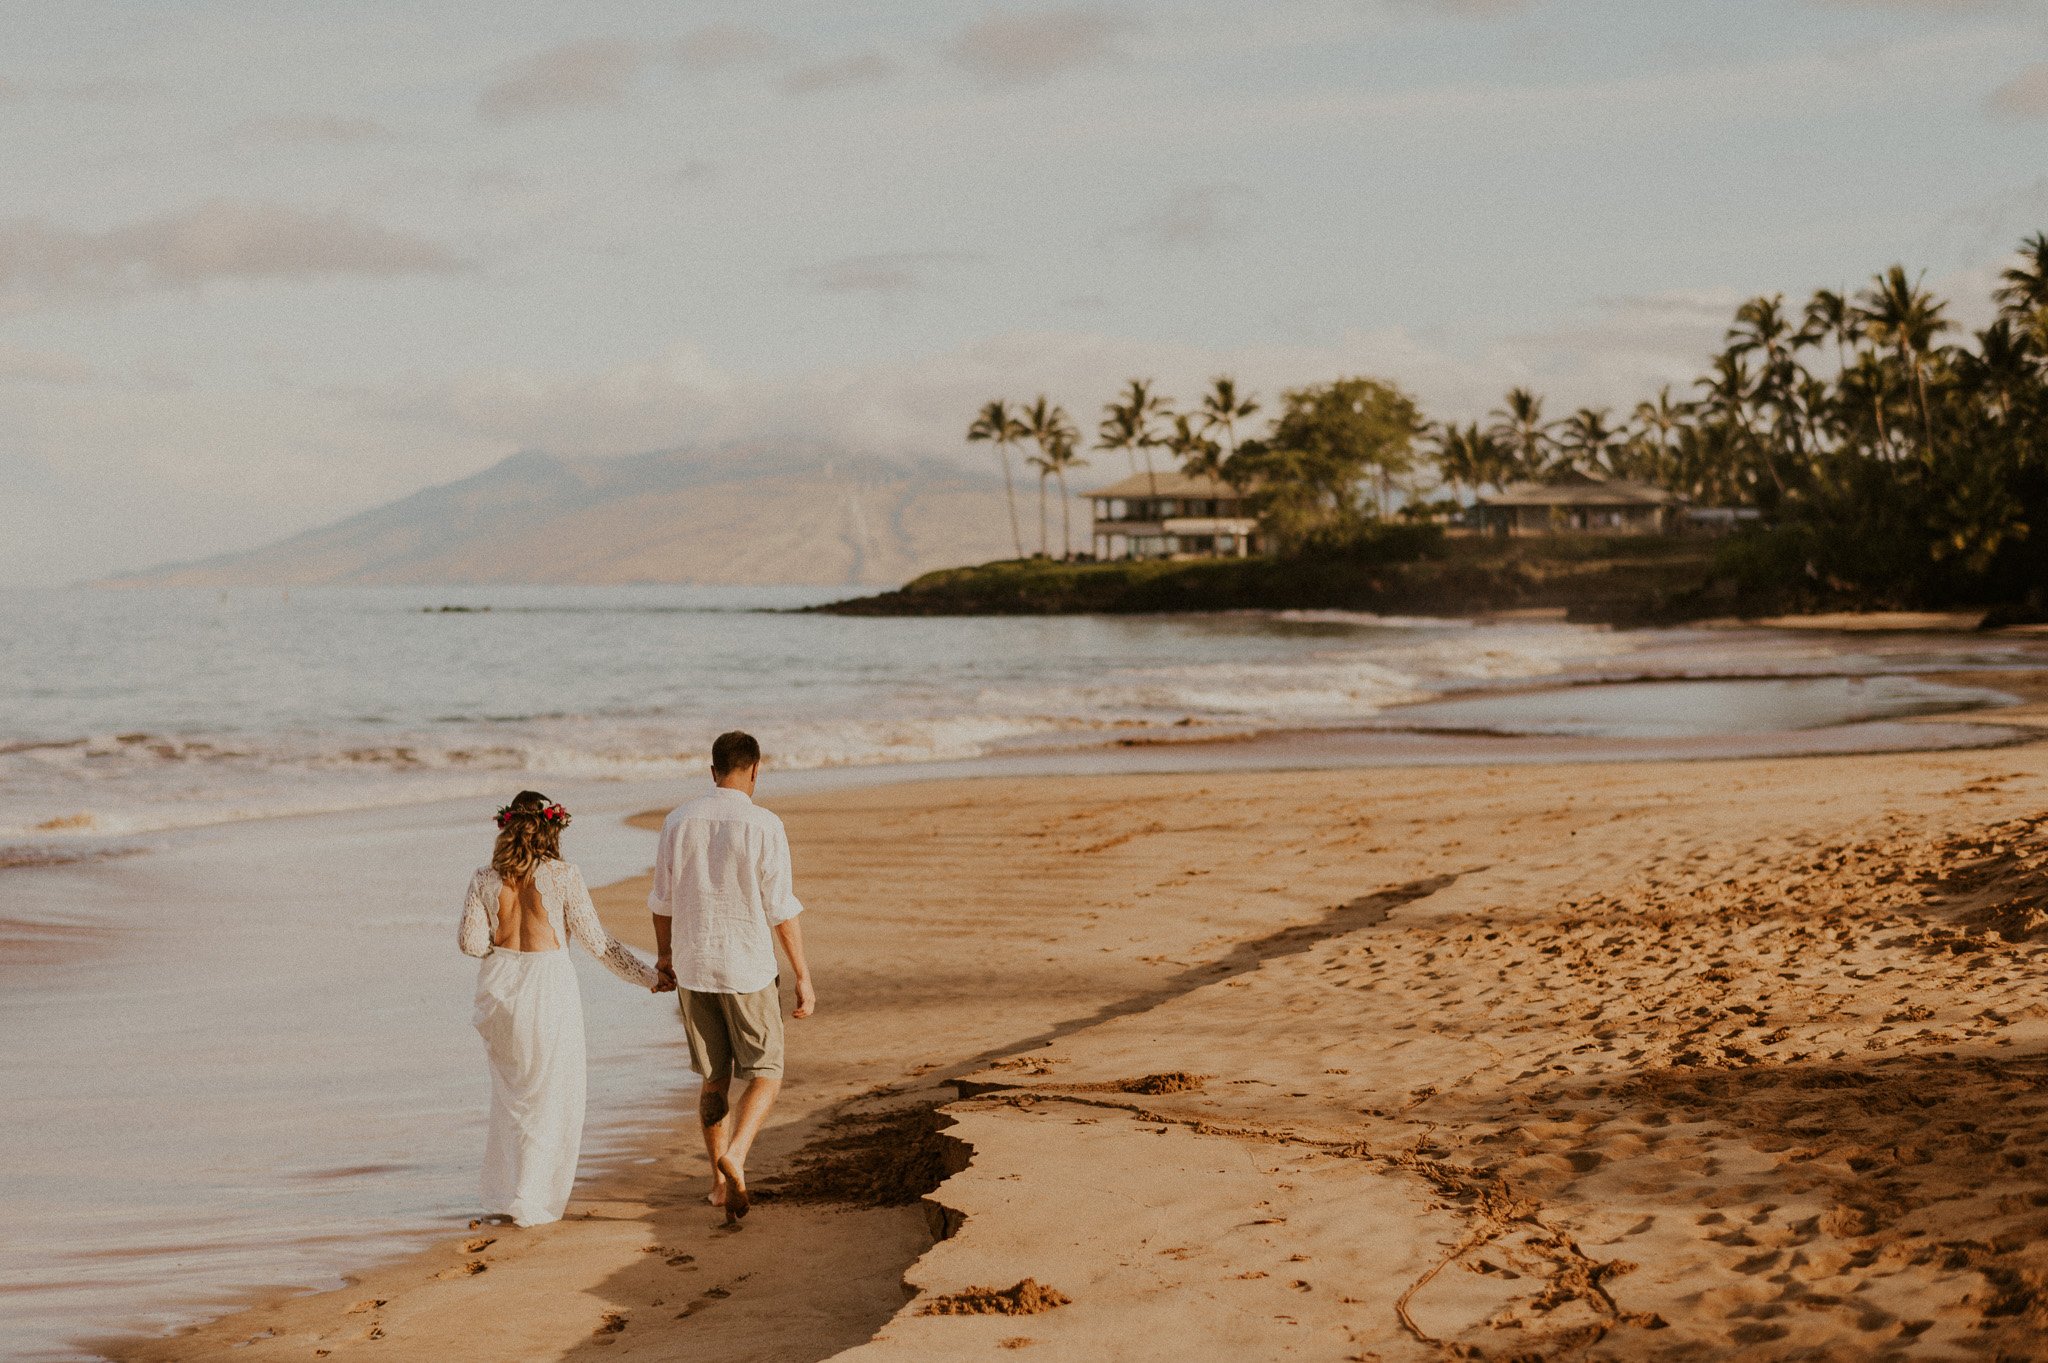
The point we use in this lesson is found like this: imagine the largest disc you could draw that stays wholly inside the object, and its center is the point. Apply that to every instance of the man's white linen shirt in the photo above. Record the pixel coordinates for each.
(722, 876)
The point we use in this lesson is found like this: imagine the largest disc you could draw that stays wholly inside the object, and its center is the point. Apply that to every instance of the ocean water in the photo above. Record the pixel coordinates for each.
(235, 828)
(129, 713)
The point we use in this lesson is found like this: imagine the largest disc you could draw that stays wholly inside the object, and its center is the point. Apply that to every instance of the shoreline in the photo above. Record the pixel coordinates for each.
(1151, 898)
(1108, 753)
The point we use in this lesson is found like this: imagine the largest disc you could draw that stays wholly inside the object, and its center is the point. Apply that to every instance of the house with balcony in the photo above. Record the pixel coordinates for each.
(1171, 515)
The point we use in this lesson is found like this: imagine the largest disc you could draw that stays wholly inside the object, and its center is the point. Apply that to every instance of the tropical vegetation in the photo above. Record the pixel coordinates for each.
(1887, 458)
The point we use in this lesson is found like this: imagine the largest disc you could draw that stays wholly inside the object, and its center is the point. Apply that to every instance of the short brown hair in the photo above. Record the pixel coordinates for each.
(735, 751)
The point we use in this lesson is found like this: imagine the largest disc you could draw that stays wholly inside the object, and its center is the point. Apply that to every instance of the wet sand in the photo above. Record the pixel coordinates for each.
(1660, 1060)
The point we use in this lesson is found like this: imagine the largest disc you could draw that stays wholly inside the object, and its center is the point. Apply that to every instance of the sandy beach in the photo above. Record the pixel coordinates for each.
(1678, 1060)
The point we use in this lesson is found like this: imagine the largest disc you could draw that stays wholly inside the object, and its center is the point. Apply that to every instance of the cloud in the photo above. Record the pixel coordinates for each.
(1195, 218)
(573, 76)
(20, 363)
(219, 239)
(917, 405)
(2025, 95)
(889, 274)
(1026, 47)
(865, 68)
(335, 128)
(717, 46)
(1621, 350)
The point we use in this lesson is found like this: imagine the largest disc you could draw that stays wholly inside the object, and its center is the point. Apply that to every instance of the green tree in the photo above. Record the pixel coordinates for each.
(1130, 425)
(1223, 407)
(1657, 421)
(2023, 291)
(1327, 441)
(1191, 447)
(1831, 316)
(1519, 426)
(1898, 313)
(998, 426)
(1466, 457)
(1047, 424)
(1059, 455)
(1587, 439)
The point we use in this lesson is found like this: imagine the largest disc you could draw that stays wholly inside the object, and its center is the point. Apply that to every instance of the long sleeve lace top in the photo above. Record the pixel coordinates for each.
(567, 900)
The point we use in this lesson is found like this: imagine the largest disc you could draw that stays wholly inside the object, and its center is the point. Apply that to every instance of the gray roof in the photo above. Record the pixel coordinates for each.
(1579, 489)
(1168, 483)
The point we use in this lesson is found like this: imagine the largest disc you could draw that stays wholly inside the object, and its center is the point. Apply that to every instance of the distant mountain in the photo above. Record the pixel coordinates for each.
(737, 517)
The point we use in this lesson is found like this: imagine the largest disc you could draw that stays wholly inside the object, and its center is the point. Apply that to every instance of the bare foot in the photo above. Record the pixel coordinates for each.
(736, 1203)
(716, 1197)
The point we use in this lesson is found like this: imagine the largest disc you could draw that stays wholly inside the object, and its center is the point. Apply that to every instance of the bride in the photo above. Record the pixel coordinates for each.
(519, 911)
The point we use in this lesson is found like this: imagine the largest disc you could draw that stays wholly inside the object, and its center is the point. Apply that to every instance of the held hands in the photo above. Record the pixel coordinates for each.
(664, 976)
(806, 998)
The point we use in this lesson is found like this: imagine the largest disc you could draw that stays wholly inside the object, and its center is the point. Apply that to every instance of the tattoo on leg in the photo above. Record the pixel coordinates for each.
(711, 1108)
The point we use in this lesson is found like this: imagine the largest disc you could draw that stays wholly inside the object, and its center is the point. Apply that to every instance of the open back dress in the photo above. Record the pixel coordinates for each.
(530, 1014)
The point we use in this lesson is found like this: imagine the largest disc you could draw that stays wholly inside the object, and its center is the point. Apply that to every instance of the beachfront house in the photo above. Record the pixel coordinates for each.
(1579, 504)
(1171, 515)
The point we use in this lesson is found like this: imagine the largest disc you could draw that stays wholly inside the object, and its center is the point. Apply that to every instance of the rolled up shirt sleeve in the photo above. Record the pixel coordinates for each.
(778, 879)
(659, 889)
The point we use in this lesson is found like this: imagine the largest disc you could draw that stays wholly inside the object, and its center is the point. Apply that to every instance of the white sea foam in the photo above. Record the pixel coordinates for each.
(957, 690)
(352, 700)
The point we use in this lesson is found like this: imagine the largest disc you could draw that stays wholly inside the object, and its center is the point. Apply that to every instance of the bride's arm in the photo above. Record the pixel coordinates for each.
(588, 930)
(474, 936)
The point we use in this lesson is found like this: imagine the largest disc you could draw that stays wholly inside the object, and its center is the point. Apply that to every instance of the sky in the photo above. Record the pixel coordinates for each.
(264, 265)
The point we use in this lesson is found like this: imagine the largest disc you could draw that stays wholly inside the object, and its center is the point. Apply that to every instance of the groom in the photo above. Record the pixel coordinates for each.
(721, 901)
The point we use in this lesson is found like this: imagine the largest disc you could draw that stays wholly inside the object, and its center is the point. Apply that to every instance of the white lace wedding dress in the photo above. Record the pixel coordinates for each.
(530, 1014)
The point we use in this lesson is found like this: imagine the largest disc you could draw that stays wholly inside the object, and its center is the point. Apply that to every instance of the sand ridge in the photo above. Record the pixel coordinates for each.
(1785, 1106)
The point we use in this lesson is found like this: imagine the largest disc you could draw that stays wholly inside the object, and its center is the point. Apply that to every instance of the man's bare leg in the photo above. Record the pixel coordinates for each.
(712, 1113)
(748, 1119)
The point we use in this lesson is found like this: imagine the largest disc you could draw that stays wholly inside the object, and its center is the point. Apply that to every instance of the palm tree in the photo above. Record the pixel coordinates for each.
(2002, 368)
(1044, 467)
(1469, 457)
(1519, 425)
(1901, 314)
(1199, 456)
(1061, 453)
(1223, 406)
(1831, 314)
(1761, 324)
(1656, 419)
(997, 425)
(1730, 390)
(2024, 287)
(2023, 291)
(1046, 424)
(1127, 426)
(1588, 439)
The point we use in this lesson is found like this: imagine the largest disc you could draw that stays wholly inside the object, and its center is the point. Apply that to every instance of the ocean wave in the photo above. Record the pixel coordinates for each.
(1369, 620)
(69, 788)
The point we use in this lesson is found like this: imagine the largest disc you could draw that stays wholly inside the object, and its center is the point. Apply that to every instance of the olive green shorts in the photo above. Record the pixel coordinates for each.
(733, 1034)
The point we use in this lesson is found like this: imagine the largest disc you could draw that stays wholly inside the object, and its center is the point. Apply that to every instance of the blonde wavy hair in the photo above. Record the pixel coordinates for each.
(529, 833)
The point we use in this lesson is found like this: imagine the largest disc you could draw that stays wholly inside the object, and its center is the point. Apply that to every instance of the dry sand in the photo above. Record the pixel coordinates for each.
(1663, 1061)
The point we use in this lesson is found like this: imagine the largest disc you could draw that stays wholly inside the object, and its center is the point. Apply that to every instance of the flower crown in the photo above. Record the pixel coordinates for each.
(551, 813)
